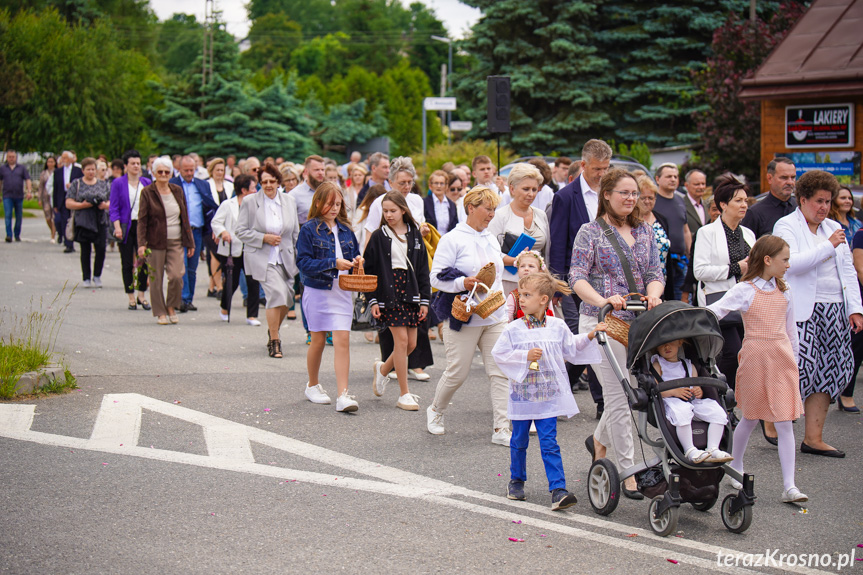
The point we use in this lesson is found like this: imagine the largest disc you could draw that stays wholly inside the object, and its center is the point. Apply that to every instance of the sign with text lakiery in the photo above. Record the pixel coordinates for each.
(819, 126)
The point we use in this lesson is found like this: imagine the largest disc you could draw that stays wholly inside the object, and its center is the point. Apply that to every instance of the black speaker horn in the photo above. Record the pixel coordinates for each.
(498, 104)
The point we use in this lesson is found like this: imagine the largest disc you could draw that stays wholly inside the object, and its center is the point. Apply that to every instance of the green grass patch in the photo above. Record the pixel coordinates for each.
(27, 342)
(28, 205)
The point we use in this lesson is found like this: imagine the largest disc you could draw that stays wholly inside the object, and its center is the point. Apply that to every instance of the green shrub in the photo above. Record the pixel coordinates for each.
(461, 152)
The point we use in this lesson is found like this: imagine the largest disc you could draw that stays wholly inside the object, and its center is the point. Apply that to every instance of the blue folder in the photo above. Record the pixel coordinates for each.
(524, 242)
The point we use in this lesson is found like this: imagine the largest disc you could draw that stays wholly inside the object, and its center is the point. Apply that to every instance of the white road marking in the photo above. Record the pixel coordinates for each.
(118, 427)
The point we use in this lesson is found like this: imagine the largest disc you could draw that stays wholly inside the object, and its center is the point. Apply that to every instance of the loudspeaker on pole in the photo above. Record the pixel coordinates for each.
(498, 104)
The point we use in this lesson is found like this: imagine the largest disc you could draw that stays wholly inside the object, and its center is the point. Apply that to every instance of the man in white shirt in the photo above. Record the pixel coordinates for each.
(560, 170)
(695, 183)
(313, 175)
(483, 173)
(379, 172)
(402, 176)
(355, 159)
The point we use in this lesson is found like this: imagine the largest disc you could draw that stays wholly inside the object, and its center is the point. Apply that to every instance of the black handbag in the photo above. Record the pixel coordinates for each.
(732, 319)
(508, 241)
(363, 320)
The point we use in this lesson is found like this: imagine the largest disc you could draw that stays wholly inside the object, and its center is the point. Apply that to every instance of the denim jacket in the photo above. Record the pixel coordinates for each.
(316, 253)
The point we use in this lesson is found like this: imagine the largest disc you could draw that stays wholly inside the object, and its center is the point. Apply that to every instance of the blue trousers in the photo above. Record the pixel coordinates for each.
(192, 267)
(16, 204)
(546, 430)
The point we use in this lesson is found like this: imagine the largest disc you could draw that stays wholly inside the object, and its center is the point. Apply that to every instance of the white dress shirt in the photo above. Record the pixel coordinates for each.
(274, 225)
(441, 213)
(591, 197)
(699, 208)
(135, 199)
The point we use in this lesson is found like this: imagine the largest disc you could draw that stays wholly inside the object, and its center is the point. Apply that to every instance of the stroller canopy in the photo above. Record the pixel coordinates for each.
(674, 320)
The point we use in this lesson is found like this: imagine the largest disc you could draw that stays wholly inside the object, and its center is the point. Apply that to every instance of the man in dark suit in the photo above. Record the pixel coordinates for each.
(573, 206)
(201, 208)
(439, 211)
(695, 183)
(64, 175)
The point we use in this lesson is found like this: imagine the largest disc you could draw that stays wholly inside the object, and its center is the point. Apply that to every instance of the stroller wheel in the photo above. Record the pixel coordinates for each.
(603, 486)
(665, 524)
(738, 522)
(705, 505)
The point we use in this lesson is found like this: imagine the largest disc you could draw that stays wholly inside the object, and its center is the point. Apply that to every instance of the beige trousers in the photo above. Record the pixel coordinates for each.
(460, 347)
(172, 262)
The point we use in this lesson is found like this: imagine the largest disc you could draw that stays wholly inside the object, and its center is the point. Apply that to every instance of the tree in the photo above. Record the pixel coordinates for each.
(179, 42)
(93, 108)
(559, 81)
(273, 38)
(315, 17)
(731, 128)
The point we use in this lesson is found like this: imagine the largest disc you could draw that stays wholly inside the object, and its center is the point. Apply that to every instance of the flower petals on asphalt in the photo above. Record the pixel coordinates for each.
(516, 540)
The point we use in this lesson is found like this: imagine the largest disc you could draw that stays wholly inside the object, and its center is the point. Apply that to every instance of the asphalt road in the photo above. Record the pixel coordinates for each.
(188, 450)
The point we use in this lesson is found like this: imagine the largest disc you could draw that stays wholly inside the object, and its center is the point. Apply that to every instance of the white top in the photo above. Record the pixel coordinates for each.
(591, 197)
(441, 212)
(135, 199)
(828, 288)
(468, 250)
(415, 204)
(711, 261)
(225, 219)
(302, 195)
(506, 221)
(459, 210)
(227, 187)
(399, 252)
(545, 393)
(740, 297)
(673, 369)
(273, 212)
(339, 254)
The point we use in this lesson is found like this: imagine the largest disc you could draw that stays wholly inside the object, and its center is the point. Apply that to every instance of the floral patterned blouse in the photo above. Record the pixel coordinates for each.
(594, 260)
(663, 243)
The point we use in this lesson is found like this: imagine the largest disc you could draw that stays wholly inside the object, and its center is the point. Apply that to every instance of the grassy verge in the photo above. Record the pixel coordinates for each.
(28, 205)
(28, 341)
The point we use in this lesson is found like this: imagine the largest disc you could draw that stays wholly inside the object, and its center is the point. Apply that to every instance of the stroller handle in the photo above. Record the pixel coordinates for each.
(631, 305)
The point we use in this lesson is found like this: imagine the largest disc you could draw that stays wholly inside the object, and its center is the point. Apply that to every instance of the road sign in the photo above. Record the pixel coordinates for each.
(438, 104)
(461, 126)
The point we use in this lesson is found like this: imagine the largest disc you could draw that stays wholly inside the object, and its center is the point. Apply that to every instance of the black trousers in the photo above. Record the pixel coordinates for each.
(88, 240)
(128, 255)
(421, 357)
(727, 361)
(857, 349)
(228, 290)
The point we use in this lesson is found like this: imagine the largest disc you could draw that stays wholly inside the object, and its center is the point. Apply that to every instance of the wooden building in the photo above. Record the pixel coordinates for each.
(811, 93)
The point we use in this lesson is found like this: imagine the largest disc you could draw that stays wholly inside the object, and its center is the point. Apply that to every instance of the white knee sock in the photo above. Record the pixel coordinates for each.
(684, 434)
(714, 435)
(741, 438)
(787, 451)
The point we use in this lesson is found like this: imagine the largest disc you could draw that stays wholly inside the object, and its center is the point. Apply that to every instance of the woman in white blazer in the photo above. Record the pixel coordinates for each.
(221, 190)
(826, 300)
(520, 217)
(720, 254)
(267, 225)
(224, 226)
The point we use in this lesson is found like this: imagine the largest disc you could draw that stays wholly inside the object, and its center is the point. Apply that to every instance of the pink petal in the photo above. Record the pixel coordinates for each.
(266, 409)
(672, 561)
(543, 535)
(517, 522)
(516, 540)
(632, 535)
(860, 545)
(104, 464)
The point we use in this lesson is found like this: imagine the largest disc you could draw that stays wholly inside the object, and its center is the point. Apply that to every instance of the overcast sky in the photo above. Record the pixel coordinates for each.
(457, 17)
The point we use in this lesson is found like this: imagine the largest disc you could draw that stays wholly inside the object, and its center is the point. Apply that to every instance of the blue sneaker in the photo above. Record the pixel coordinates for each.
(515, 490)
(562, 499)
(308, 339)
(329, 338)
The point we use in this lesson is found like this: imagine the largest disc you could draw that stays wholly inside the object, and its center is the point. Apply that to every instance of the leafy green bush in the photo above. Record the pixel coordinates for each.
(461, 152)
(638, 151)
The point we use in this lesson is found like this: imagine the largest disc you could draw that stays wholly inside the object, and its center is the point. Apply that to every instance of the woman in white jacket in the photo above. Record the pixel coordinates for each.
(229, 245)
(720, 257)
(826, 302)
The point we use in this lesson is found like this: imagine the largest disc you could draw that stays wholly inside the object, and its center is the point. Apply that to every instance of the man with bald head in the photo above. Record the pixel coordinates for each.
(201, 208)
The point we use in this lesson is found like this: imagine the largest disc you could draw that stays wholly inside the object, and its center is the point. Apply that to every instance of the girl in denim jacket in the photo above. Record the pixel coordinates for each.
(327, 308)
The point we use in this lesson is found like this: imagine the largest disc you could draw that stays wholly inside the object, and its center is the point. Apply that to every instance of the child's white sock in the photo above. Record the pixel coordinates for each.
(787, 451)
(714, 435)
(684, 434)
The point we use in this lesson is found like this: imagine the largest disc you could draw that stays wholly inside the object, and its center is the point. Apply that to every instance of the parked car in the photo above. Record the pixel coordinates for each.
(624, 162)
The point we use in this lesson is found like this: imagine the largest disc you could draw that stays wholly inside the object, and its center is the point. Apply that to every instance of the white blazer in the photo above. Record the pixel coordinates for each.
(229, 189)
(251, 227)
(711, 260)
(806, 254)
(505, 221)
(226, 220)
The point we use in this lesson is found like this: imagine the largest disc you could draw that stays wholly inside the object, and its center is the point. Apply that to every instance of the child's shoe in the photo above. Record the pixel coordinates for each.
(793, 495)
(346, 403)
(408, 402)
(379, 384)
(695, 455)
(716, 455)
(532, 430)
(562, 499)
(515, 490)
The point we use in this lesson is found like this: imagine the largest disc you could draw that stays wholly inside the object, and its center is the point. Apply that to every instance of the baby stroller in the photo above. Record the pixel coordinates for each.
(669, 479)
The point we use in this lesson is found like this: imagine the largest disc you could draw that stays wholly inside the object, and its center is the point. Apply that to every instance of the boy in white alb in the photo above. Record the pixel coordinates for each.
(685, 403)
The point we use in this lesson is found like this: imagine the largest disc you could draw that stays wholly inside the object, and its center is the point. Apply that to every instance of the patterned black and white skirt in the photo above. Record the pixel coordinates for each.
(826, 361)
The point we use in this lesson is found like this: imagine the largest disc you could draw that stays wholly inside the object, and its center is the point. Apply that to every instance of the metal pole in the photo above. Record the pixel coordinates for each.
(498, 151)
(424, 137)
(449, 84)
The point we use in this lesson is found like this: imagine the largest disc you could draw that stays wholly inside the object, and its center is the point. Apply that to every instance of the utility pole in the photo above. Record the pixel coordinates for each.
(207, 52)
(752, 15)
(448, 83)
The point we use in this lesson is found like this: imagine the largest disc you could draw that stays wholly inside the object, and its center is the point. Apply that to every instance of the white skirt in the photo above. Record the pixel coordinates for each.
(328, 310)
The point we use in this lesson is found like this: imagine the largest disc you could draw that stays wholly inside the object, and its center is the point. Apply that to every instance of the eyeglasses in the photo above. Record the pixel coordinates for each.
(268, 182)
(163, 172)
(627, 195)
(455, 189)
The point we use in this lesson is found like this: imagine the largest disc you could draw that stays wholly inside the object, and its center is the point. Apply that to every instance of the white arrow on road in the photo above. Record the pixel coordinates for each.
(118, 427)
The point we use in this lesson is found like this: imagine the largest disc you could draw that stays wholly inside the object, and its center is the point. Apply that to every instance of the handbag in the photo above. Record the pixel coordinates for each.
(362, 319)
(70, 223)
(732, 319)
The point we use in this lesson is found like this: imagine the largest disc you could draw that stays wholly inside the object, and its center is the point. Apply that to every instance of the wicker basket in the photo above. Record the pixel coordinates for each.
(486, 277)
(616, 328)
(463, 306)
(358, 281)
(490, 304)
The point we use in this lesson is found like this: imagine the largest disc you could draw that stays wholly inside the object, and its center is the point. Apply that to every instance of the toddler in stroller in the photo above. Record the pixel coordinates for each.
(682, 404)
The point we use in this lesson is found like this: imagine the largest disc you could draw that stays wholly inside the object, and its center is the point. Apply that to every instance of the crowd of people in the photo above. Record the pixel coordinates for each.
(546, 248)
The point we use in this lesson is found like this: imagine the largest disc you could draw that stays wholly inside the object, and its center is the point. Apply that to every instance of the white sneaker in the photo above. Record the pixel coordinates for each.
(408, 402)
(224, 316)
(316, 394)
(793, 495)
(532, 430)
(253, 321)
(716, 455)
(345, 403)
(695, 455)
(97, 282)
(502, 436)
(86, 283)
(418, 376)
(379, 384)
(734, 483)
(434, 421)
